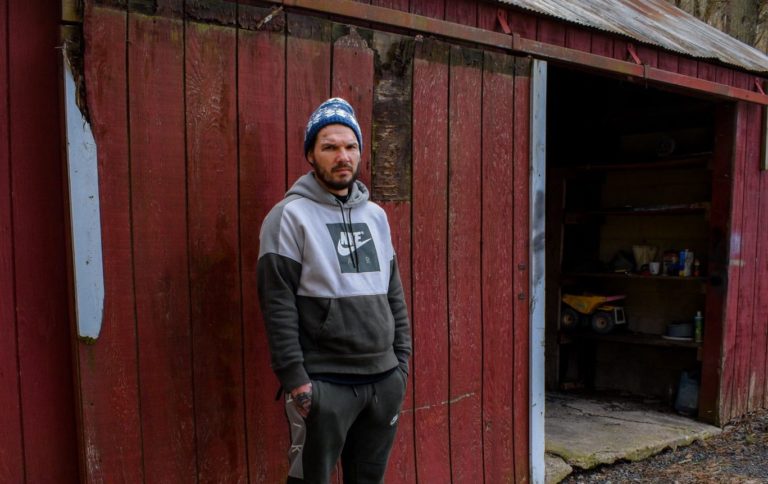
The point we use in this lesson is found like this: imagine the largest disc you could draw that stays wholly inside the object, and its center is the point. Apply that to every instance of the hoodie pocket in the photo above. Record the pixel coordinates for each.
(327, 322)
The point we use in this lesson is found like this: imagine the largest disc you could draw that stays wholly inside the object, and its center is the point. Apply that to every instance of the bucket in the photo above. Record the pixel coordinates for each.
(687, 402)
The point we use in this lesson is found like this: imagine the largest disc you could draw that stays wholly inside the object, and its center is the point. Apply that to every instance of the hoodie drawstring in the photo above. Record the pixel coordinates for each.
(352, 244)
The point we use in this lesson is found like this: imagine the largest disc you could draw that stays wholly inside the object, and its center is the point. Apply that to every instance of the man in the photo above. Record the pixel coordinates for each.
(334, 309)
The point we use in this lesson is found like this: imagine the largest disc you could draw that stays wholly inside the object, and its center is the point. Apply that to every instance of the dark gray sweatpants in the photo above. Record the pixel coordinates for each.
(357, 423)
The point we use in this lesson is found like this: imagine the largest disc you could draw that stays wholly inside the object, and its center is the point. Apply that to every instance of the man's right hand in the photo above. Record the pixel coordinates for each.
(302, 398)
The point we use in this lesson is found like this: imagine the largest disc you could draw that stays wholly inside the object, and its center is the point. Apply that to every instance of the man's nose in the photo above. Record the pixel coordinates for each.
(344, 156)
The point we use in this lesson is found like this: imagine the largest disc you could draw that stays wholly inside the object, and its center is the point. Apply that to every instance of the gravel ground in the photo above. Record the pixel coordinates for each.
(738, 455)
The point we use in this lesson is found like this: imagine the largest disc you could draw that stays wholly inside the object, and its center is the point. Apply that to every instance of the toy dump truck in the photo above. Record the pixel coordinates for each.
(591, 311)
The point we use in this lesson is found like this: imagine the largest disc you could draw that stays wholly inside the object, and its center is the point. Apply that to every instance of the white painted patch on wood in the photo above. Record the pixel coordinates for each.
(85, 217)
(538, 130)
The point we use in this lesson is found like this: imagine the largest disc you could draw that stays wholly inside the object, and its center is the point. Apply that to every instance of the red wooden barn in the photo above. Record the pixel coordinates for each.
(522, 149)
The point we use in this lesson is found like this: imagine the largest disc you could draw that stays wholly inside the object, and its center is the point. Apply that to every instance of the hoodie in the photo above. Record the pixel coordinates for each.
(329, 287)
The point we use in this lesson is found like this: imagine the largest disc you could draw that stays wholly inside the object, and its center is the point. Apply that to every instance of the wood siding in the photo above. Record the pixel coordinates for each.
(37, 423)
(199, 129)
(744, 385)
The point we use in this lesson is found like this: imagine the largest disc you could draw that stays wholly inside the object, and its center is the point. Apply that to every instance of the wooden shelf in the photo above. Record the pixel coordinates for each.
(630, 338)
(693, 160)
(624, 275)
(577, 217)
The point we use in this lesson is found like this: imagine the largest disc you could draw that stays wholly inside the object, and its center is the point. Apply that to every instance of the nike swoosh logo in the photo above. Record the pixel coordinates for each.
(344, 249)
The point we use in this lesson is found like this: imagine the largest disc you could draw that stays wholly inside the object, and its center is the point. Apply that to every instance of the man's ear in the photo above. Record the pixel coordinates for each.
(310, 158)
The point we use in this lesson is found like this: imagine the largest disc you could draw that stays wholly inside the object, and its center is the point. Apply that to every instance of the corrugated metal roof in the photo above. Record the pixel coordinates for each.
(655, 22)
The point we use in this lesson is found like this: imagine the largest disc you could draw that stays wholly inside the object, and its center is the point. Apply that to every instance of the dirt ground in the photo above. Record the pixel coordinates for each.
(738, 455)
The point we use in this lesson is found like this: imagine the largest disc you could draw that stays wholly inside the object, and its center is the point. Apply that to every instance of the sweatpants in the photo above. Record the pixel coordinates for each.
(356, 423)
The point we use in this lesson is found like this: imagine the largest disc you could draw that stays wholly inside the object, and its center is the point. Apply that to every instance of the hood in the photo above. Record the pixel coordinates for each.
(308, 187)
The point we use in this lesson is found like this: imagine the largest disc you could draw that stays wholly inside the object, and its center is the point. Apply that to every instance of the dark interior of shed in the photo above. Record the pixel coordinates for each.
(629, 191)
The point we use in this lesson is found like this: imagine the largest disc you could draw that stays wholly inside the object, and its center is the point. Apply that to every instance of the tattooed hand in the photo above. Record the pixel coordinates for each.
(302, 398)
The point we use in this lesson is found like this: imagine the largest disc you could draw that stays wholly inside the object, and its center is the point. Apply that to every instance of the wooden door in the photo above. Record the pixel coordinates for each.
(199, 134)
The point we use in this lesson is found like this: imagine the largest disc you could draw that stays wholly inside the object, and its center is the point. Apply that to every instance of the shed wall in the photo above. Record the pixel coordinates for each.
(199, 129)
(740, 380)
(37, 422)
(743, 386)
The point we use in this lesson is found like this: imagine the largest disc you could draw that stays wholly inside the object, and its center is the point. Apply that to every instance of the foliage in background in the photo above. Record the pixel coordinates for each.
(747, 20)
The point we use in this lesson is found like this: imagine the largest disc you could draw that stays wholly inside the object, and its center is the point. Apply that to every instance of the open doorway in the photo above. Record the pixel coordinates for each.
(630, 263)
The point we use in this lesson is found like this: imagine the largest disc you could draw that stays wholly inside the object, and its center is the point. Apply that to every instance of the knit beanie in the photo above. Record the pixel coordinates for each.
(332, 111)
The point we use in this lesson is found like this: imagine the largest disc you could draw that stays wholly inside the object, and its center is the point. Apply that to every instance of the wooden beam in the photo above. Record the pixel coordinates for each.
(519, 45)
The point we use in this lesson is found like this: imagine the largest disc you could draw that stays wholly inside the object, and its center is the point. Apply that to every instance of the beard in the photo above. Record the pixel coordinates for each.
(326, 177)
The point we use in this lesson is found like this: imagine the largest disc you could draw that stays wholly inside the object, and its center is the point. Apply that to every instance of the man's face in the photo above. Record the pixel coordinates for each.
(335, 158)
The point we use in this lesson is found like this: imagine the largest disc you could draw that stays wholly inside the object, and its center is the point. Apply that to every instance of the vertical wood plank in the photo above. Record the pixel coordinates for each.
(551, 31)
(308, 79)
(668, 61)
(649, 55)
(402, 462)
(688, 67)
(602, 44)
(523, 23)
(712, 384)
(108, 372)
(429, 8)
(761, 299)
(12, 457)
(430, 318)
(353, 81)
(497, 267)
(578, 38)
(159, 215)
(746, 233)
(707, 71)
(462, 12)
(41, 286)
(620, 50)
(755, 368)
(487, 17)
(464, 280)
(393, 4)
(521, 264)
(261, 108)
(731, 321)
(214, 252)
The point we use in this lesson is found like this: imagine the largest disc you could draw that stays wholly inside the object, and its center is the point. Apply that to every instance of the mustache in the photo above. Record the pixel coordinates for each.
(343, 166)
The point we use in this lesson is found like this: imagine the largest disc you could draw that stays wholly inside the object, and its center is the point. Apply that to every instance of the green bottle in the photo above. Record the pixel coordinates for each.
(698, 322)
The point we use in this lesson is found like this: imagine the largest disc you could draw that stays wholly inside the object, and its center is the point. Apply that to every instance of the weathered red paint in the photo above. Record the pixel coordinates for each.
(551, 32)
(497, 267)
(108, 371)
(425, 228)
(308, 74)
(44, 354)
(353, 80)
(731, 326)
(461, 12)
(215, 314)
(521, 263)
(464, 257)
(717, 286)
(402, 462)
(159, 222)
(12, 459)
(601, 44)
(576, 38)
(393, 4)
(262, 181)
(430, 318)
(429, 8)
(754, 376)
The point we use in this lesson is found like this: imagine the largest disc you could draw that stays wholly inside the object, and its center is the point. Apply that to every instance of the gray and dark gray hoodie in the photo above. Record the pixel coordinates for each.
(329, 286)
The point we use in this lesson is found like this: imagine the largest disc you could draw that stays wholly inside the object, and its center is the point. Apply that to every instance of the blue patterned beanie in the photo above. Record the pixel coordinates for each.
(332, 111)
